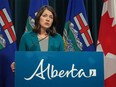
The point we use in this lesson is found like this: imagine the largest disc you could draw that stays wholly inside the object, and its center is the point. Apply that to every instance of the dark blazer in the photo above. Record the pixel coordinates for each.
(30, 42)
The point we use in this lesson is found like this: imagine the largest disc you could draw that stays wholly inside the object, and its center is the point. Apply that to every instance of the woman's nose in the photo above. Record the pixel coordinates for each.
(48, 19)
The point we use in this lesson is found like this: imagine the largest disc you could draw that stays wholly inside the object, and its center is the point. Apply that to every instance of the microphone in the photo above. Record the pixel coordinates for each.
(48, 31)
(33, 47)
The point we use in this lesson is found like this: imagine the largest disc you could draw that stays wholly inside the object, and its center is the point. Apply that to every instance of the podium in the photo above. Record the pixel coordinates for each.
(59, 69)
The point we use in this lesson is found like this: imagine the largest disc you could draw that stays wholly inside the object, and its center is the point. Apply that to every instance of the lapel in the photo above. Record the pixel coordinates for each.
(35, 41)
(49, 41)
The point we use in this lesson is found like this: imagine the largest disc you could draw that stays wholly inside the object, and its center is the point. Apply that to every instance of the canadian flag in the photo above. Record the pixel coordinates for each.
(107, 42)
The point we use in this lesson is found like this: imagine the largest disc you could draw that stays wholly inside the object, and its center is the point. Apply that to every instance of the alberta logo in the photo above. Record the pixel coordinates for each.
(2, 42)
(53, 73)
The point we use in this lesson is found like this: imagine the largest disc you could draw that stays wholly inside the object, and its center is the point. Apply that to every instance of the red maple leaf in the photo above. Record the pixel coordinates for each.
(107, 34)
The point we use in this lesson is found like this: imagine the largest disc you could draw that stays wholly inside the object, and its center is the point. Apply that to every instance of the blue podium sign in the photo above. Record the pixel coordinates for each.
(59, 69)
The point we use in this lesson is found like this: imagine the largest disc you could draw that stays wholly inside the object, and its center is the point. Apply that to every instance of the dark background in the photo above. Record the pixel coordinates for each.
(19, 11)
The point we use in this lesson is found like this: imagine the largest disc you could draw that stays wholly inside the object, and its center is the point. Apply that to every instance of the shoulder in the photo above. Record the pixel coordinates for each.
(28, 34)
(57, 37)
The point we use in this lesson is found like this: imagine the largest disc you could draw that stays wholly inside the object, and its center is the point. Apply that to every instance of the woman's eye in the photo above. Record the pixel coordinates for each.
(51, 17)
(44, 15)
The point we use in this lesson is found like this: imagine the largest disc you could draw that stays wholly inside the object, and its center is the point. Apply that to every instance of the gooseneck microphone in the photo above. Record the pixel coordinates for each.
(34, 44)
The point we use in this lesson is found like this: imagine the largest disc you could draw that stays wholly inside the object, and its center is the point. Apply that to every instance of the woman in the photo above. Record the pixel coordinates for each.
(44, 36)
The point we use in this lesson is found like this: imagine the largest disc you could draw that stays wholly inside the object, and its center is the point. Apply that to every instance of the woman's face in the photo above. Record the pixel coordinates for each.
(46, 19)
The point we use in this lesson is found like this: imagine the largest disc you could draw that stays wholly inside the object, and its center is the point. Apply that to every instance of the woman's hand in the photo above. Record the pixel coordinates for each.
(13, 67)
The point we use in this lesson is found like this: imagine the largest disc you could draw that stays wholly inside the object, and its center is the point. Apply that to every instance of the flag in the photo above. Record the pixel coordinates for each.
(76, 35)
(107, 42)
(35, 5)
(7, 45)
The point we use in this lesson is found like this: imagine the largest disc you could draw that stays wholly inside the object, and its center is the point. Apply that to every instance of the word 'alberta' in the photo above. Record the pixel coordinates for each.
(53, 73)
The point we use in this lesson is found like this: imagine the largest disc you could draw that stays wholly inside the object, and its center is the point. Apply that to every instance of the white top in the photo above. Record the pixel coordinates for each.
(44, 44)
